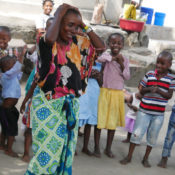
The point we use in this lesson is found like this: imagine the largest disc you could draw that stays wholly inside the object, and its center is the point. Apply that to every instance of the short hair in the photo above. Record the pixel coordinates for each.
(166, 54)
(4, 60)
(44, 1)
(74, 11)
(5, 28)
(116, 34)
(49, 20)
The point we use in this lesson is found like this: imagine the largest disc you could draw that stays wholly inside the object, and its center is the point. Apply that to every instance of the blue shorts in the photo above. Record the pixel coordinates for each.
(147, 123)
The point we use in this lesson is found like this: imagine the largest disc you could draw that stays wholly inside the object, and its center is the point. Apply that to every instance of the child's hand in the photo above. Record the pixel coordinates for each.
(154, 89)
(21, 53)
(119, 58)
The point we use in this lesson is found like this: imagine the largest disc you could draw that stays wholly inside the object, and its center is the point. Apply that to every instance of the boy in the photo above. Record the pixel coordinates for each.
(157, 89)
(169, 140)
(11, 92)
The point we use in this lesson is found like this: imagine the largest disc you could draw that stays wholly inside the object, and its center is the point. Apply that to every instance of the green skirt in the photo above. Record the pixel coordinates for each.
(54, 134)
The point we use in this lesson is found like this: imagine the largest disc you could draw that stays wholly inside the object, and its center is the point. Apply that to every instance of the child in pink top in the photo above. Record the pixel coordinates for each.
(111, 99)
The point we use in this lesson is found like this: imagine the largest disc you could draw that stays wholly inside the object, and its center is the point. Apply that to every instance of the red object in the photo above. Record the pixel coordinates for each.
(131, 25)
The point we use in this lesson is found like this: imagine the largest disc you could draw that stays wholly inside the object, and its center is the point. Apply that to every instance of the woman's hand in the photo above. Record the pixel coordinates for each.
(22, 108)
(62, 9)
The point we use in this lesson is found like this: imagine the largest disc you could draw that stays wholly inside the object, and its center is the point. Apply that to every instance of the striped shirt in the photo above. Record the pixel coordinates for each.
(154, 103)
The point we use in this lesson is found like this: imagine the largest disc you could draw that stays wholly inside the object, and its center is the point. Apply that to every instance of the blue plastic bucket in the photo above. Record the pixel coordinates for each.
(149, 11)
(159, 19)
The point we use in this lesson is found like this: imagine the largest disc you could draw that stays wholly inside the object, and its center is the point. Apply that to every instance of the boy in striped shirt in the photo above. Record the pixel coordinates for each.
(157, 89)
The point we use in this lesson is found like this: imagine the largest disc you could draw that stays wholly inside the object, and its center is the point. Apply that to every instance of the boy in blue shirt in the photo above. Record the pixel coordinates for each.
(11, 92)
(169, 140)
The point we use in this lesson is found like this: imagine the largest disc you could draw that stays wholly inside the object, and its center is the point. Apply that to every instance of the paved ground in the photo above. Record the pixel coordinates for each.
(85, 165)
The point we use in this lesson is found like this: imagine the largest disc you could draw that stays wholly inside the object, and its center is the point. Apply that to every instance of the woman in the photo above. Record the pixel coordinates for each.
(65, 62)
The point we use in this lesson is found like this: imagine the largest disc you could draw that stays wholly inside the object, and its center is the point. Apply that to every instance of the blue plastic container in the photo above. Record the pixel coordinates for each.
(150, 12)
(159, 19)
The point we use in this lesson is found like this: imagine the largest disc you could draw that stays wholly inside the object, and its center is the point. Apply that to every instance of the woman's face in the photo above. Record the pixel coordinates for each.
(47, 7)
(69, 27)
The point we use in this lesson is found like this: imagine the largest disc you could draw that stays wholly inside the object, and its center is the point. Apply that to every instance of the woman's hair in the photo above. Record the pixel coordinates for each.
(44, 1)
(116, 34)
(166, 54)
(74, 11)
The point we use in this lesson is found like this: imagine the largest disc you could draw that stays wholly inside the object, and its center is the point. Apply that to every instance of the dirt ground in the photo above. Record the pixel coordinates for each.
(85, 165)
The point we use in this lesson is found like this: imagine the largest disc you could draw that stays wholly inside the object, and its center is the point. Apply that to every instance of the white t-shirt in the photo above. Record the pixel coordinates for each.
(135, 102)
(41, 21)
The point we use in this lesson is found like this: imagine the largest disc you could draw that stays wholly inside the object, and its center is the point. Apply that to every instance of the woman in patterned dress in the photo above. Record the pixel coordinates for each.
(65, 63)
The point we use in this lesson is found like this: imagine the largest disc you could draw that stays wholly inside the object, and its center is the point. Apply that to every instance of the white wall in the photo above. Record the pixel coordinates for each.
(164, 6)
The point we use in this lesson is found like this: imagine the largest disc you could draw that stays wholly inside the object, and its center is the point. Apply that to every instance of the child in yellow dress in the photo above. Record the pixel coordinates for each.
(111, 100)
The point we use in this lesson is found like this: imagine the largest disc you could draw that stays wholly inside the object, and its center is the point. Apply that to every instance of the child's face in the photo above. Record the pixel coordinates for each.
(4, 39)
(47, 7)
(162, 64)
(115, 44)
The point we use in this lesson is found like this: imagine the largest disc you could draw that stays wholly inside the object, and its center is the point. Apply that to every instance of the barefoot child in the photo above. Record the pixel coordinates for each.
(11, 92)
(89, 106)
(157, 89)
(111, 99)
(133, 103)
(169, 140)
(5, 37)
(41, 20)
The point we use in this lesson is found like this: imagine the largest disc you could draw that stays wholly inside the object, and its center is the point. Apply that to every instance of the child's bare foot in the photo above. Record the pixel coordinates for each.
(109, 153)
(125, 161)
(26, 158)
(11, 153)
(86, 151)
(80, 134)
(126, 141)
(145, 163)
(97, 153)
(163, 162)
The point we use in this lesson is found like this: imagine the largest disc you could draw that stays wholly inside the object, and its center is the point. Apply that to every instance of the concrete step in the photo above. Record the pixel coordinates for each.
(29, 10)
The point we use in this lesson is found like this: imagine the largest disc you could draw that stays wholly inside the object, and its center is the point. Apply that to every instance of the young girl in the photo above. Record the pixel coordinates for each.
(111, 99)
(133, 102)
(41, 20)
(157, 89)
(89, 105)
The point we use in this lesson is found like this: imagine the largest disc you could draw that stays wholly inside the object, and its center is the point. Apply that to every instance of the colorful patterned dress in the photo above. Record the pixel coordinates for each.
(63, 75)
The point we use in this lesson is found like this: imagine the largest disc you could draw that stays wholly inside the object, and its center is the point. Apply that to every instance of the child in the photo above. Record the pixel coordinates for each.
(157, 89)
(88, 106)
(169, 140)
(133, 103)
(41, 21)
(5, 37)
(30, 91)
(11, 92)
(111, 99)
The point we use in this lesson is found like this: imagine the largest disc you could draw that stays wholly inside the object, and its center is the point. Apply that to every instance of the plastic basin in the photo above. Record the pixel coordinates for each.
(131, 25)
